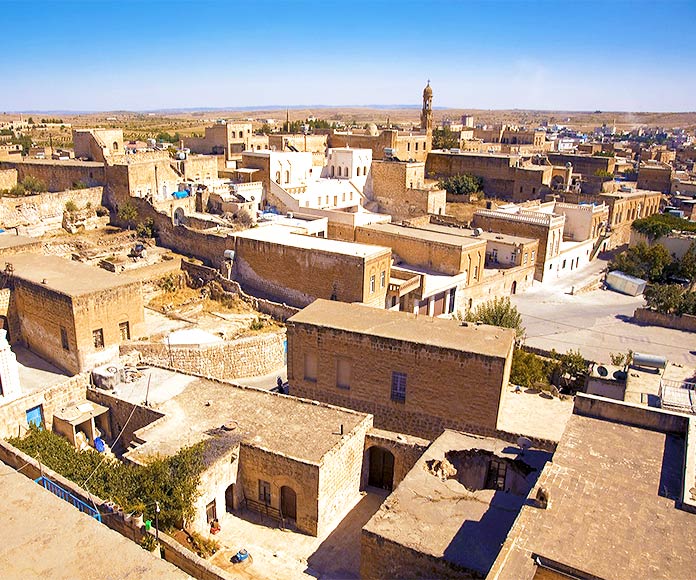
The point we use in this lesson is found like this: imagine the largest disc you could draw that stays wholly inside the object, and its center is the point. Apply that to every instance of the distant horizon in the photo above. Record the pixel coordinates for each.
(534, 55)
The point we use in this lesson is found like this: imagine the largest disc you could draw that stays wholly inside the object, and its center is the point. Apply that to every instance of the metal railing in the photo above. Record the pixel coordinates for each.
(65, 495)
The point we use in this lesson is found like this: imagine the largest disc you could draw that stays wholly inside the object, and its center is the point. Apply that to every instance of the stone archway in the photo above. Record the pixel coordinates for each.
(179, 215)
(380, 468)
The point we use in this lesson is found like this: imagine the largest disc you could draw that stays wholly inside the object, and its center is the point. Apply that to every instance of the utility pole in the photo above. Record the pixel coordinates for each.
(157, 510)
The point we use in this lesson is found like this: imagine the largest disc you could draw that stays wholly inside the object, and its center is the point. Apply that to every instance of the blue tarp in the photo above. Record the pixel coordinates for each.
(180, 194)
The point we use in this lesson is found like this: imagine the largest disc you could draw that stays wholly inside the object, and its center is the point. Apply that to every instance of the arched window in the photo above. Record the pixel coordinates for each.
(287, 176)
(115, 146)
(333, 171)
(365, 170)
(277, 176)
(357, 172)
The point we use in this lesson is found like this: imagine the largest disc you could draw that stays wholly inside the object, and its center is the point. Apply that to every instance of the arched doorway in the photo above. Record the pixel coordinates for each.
(229, 498)
(288, 502)
(178, 216)
(381, 469)
(513, 288)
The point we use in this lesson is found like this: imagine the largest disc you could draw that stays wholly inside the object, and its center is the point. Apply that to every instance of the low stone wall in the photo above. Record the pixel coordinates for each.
(250, 356)
(205, 274)
(172, 551)
(653, 318)
(405, 448)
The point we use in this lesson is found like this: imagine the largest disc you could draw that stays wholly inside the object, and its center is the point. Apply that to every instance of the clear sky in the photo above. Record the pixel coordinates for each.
(635, 55)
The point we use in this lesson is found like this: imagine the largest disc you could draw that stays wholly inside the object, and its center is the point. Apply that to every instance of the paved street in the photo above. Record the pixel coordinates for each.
(598, 323)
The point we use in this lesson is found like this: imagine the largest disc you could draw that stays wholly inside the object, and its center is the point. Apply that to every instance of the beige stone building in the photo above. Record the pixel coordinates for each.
(655, 176)
(298, 269)
(417, 375)
(296, 461)
(98, 144)
(227, 141)
(73, 315)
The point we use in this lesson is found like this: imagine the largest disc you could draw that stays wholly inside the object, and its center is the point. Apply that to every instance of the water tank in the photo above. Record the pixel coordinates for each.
(477, 232)
(229, 255)
(650, 361)
(389, 152)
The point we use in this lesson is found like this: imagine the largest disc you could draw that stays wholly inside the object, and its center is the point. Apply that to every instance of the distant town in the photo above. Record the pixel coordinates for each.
(348, 344)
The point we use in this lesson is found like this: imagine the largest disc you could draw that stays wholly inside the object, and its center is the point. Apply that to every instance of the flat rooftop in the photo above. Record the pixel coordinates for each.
(611, 512)
(43, 536)
(298, 428)
(56, 162)
(408, 327)
(9, 240)
(65, 276)
(469, 232)
(448, 519)
(279, 235)
(425, 234)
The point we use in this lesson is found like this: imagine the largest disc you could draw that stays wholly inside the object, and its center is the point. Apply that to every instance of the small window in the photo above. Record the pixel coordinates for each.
(533, 252)
(524, 259)
(124, 330)
(475, 272)
(372, 284)
(408, 146)
(398, 387)
(98, 338)
(264, 492)
(383, 279)
(310, 366)
(416, 145)
(64, 338)
(343, 373)
(495, 478)
(564, 264)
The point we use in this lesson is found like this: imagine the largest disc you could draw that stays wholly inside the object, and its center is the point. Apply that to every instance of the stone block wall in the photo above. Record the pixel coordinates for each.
(250, 356)
(279, 470)
(59, 175)
(13, 418)
(340, 476)
(382, 559)
(653, 318)
(8, 178)
(405, 449)
(446, 389)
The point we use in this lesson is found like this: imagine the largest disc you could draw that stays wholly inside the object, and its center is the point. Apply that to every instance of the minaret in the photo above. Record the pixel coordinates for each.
(427, 115)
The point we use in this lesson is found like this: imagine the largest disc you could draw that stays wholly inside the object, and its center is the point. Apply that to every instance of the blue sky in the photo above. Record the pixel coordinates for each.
(636, 55)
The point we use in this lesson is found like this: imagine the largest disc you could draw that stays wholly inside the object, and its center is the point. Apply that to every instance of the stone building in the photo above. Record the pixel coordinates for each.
(297, 269)
(616, 463)
(511, 177)
(587, 165)
(569, 235)
(417, 375)
(227, 140)
(480, 483)
(98, 144)
(511, 135)
(297, 461)
(403, 145)
(399, 189)
(73, 315)
(655, 176)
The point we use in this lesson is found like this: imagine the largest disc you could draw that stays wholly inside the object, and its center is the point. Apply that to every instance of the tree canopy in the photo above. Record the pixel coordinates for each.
(462, 184)
(498, 312)
(643, 261)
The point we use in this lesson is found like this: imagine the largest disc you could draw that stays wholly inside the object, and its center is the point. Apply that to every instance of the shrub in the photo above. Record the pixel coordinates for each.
(70, 206)
(462, 184)
(498, 312)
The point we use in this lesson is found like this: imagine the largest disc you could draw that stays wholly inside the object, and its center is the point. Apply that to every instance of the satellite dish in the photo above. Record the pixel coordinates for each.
(524, 443)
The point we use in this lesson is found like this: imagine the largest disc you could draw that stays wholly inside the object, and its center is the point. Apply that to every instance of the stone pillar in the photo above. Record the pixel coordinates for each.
(9, 371)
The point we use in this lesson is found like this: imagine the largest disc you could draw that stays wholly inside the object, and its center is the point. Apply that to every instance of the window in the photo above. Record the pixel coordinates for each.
(264, 492)
(365, 170)
(310, 366)
(357, 172)
(564, 263)
(64, 338)
(475, 272)
(343, 373)
(533, 252)
(398, 387)
(495, 478)
(124, 330)
(372, 284)
(211, 511)
(383, 279)
(343, 196)
(98, 338)
(408, 146)
(524, 259)
(416, 145)
(333, 171)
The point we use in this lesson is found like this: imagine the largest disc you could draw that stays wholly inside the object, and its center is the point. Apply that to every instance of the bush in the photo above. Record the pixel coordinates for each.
(148, 542)
(643, 261)
(204, 547)
(605, 175)
(70, 206)
(79, 185)
(34, 184)
(661, 224)
(529, 370)
(171, 481)
(146, 229)
(462, 184)
(498, 312)
(102, 211)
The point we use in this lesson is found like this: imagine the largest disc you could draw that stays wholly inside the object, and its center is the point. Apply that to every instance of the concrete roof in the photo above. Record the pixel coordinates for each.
(445, 519)
(450, 334)
(42, 536)
(280, 235)
(65, 276)
(611, 508)
(425, 234)
(469, 232)
(298, 428)
(9, 240)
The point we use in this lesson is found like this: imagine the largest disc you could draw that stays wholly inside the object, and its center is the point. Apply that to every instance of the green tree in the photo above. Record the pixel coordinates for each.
(128, 213)
(528, 369)
(643, 261)
(687, 266)
(445, 138)
(572, 369)
(665, 298)
(661, 224)
(498, 312)
(265, 129)
(604, 174)
(462, 184)
(34, 184)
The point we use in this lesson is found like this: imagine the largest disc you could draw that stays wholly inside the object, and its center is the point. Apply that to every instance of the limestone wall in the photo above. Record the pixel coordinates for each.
(245, 357)
(34, 215)
(59, 175)
(8, 178)
(653, 318)
(445, 389)
(13, 418)
(406, 450)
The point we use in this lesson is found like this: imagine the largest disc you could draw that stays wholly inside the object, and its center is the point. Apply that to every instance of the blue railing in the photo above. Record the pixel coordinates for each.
(65, 495)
